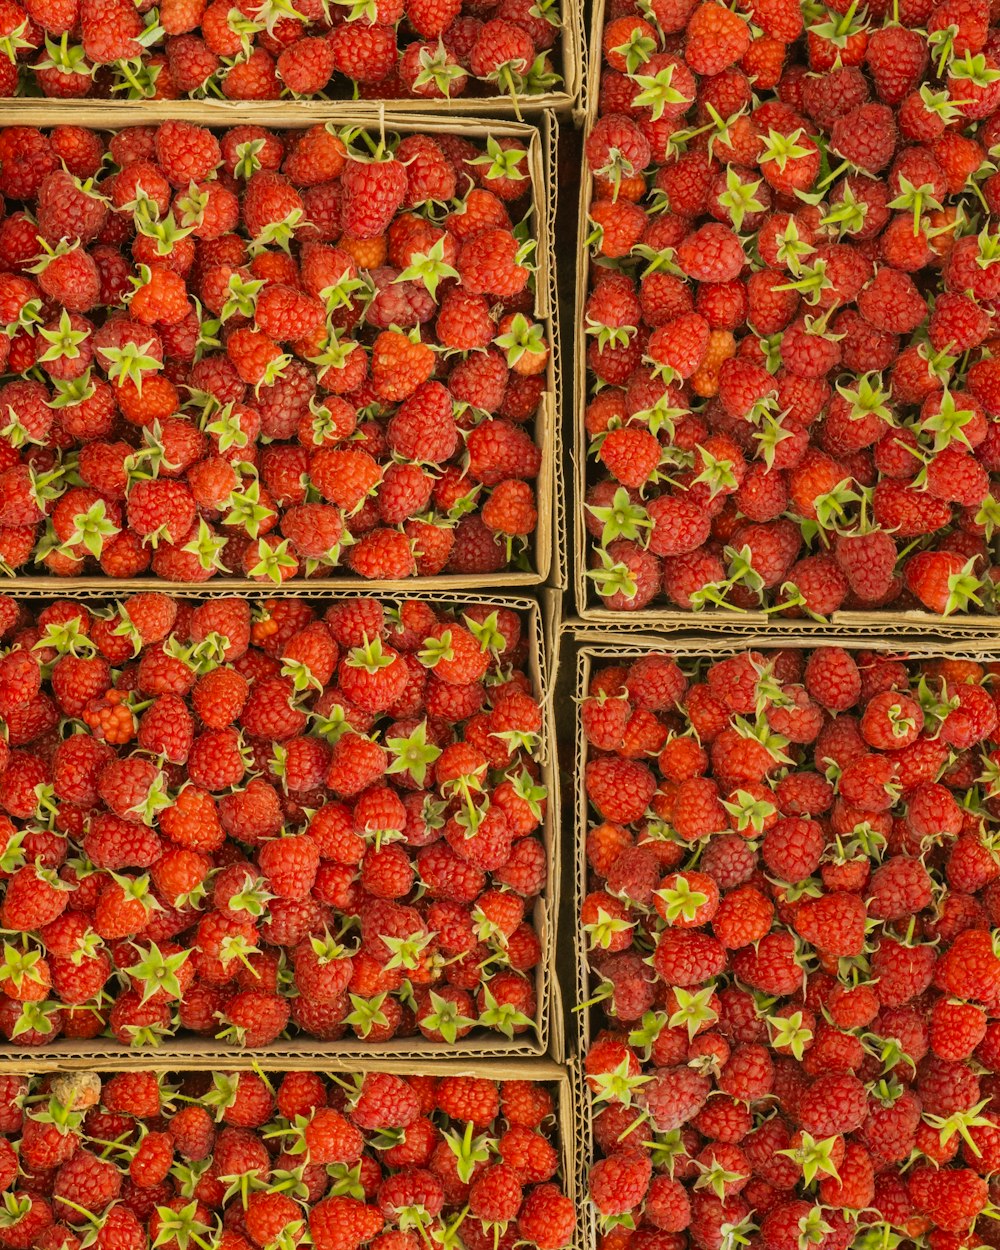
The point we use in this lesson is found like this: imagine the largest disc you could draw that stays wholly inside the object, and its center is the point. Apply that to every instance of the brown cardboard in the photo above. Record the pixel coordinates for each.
(843, 626)
(590, 68)
(540, 623)
(547, 553)
(587, 1215)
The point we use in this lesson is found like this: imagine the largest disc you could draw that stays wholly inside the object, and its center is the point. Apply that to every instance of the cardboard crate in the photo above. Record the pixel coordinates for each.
(593, 648)
(561, 1080)
(547, 550)
(541, 626)
(589, 607)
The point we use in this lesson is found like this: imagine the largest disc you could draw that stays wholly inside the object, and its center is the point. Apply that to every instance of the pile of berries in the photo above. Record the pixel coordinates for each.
(793, 894)
(274, 49)
(243, 1161)
(790, 322)
(271, 354)
(244, 823)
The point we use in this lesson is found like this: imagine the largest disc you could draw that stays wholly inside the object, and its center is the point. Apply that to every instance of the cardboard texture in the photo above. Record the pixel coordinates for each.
(593, 648)
(584, 1156)
(558, 574)
(844, 627)
(662, 617)
(547, 553)
(563, 100)
(542, 625)
(590, 68)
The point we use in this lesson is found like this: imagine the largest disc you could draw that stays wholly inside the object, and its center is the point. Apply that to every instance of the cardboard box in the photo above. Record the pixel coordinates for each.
(591, 649)
(589, 607)
(547, 553)
(541, 625)
(562, 99)
(560, 1080)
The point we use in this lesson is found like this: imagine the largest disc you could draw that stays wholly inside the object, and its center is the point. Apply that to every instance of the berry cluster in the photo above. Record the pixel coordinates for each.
(274, 49)
(237, 822)
(790, 318)
(243, 1161)
(793, 884)
(267, 353)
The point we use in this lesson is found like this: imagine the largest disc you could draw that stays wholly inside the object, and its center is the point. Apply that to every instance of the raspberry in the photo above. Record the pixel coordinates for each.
(679, 956)
(306, 66)
(743, 917)
(87, 1181)
(110, 30)
(716, 38)
(711, 254)
(620, 789)
(618, 1183)
(547, 1218)
(673, 1096)
(953, 1198)
(496, 1195)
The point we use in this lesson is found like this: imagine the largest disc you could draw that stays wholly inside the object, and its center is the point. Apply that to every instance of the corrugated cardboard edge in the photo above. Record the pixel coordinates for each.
(573, 52)
(843, 626)
(586, 1213)
(549, 541)
(538, 1069)
(541, 625)
(564, 101)
(590, 610)
(606, 644)
(558, 574)
(568, 1119)
(590, 61)
(590, 93)
(590, 647)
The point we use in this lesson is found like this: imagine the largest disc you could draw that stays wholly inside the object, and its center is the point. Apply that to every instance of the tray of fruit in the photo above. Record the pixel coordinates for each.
(299, 826)
(786, 893)
(517, 57)
(265, 353)
(333, 1158)
(787, 383)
